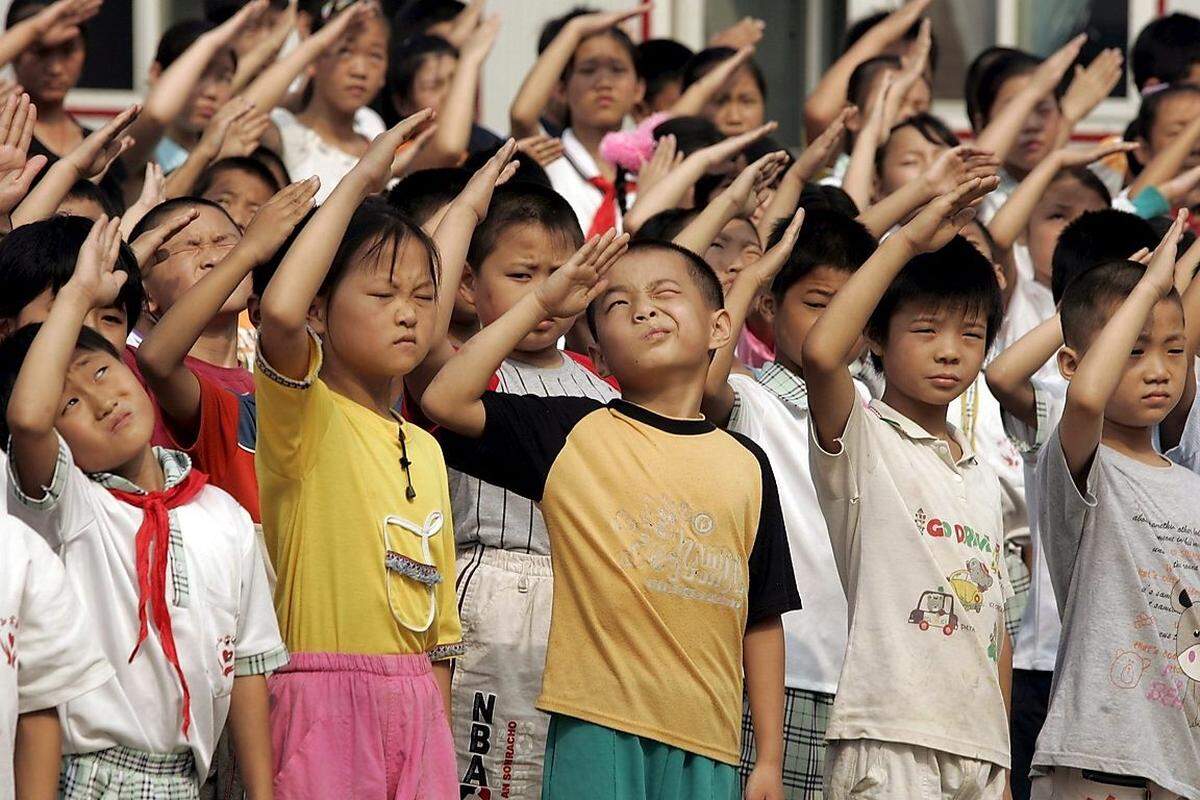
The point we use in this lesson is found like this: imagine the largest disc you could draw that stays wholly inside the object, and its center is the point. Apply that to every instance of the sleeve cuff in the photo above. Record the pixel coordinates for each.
(261, 663)
(314, 366)
(444, 652)
(1150, 203)
(51, 493)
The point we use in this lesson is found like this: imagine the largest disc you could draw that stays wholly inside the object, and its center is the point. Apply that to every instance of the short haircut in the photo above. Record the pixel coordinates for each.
(701, 273)
(90, 192)
(1165, 49)
(169, 208)
(987, 237)
(1094, 238)
(932, 129)
(1147, 116)
(517, 203)
(262, 274)
(831, 198)
(374, 227)
(827, 239)
(987, 74)
(666, 225)
(1093, 296)
(691, 133)
(271, 160)
(418, 16)
(528, 170)
(957, 276)
(218, 11)
(707, 60)
(12, 355)
(178, 38)
(864, 75)
(420, 194)
(41, 255)
(859, 27)
(406, 59)
(662, 62)
(554, 26)
(1089, 179)
(1162, 223)
(243, 164)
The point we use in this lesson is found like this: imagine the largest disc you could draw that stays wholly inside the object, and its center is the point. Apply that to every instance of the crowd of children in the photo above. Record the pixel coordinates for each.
(630, 457)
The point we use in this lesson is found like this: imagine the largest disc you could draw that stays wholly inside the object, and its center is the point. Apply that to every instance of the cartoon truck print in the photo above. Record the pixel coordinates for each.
(935, 609)
(970, 584)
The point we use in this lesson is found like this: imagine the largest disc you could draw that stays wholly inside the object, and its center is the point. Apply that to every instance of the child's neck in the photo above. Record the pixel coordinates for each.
(930, 417)
(549, 358)
(1132, 441)
(217, 345)
(329, 123)
(791, 366)
(184, 138)
(680, 401)
(461, 332)
(143, 471)
(379, 396)
(590, 139)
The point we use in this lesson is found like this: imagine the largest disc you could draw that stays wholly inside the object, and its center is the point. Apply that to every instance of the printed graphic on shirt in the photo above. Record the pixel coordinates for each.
(1126, 669)
(226, 654)
(970, 584)
(935, 609)
(490, 743)
(9, 626)
(1187, 648)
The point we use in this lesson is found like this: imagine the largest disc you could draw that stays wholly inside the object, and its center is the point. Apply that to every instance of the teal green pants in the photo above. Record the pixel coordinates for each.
(588, 760)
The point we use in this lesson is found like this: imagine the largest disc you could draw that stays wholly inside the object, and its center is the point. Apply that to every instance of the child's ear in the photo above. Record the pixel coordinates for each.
(154, 73)
(466, 286)
(720, 331)
(254, 309)
(639, 92)
(765, 306)
(873, 347)
(597, 356)
(1068, 361)
(318, 313)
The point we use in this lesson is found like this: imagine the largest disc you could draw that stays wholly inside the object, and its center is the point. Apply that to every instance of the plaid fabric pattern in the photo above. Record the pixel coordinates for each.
(1019, 577)
(805, 718)
(122, 773)
(787, 385)
(260, 663)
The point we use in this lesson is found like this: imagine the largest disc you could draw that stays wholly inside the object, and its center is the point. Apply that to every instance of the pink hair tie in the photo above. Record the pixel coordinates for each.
(631, 149)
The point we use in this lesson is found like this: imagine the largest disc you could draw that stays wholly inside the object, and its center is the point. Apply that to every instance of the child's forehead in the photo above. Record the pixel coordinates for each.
(741, 229)
(960, 310)
(601, 45)
(210, 220)
(644, 267)
(240, 179)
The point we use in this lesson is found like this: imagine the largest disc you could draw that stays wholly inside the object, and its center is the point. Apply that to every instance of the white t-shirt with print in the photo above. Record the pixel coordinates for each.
(222, 616)
(48, 649)
(306, 154)
(918, 540)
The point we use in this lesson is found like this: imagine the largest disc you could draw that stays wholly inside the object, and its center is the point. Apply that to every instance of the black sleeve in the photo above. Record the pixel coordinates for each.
(522, 437)
(772, 579)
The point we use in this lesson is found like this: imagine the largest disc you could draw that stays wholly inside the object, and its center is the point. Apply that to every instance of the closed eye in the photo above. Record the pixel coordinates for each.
(616, 303)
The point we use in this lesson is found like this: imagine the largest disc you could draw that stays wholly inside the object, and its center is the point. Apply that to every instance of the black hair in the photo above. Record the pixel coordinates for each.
(957, 276)
(407, 58)
(374, 227)
(816, 196)
(707, 60)
(859, 27)
(987, 74)
(516, 203)
(13, 350)
(528, 170)
(1162, 223)
(169, 208)
(932, 130)
(554, 26)
(620, 37)
(90, 192)
(1147, 116)
(218, 11)
(271, 160)
(41, 255)
(666, 225)
(418, 16)
(864, 75)
(826, 239)
(1092, 297)
(691, 133)
(662, 63)
(1094, 238)
(1165, 50)
(244, 164)
(987, 237)
(764, 146)
(420, 194)
(1089, 179)
(709, 185)
(21, 10)
(262, 274)
(699, 271)
(179, 37)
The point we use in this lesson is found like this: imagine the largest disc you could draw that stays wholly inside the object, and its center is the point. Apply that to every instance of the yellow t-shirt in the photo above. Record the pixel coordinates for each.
(361, 568)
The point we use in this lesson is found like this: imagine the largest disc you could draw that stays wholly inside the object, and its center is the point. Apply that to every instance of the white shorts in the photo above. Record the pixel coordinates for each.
(504, 602)
(1065, 783)
(868, 769)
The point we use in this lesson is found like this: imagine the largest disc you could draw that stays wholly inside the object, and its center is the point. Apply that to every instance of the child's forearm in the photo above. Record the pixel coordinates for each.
(1168, 163)
(37, 755)
(700, 233)
(250, 728)
(45, 198)
(17, 39)
(453, 238)
(441, 674)
(763, 656)
(828, 98)
(271, 86)
(456, 115)
(1010, 374)
(718, 395)
(879, 217)
(693, 100)
(539, 84)
(1013, 216)
(859, 180)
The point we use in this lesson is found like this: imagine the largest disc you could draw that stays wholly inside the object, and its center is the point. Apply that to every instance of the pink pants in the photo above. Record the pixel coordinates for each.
(362, 727)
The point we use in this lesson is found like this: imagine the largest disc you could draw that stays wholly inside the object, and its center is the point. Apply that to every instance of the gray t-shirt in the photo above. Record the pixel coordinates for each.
(494, 517)
(1124, 558)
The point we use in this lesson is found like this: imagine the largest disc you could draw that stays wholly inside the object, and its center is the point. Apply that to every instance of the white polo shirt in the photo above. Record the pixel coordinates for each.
(221, 611)
(773, 412)
(48, 652)
(918, 540)
(569, 176)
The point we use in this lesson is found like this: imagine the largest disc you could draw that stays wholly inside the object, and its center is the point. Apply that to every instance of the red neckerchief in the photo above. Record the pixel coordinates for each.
(152, 543)
(606, 215)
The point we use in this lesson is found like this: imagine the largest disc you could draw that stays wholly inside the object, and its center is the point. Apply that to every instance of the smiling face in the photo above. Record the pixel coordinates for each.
(654, 323)
(188, 257)
(931, 356)
(734, 249)
(1064, 201)
(48, 73)
(377, 322)
(240, 193)
(601, 84)
(1038, 131)
(524, 256)
(908, 155)
(739, 106)
(352, 72)
(105, 416)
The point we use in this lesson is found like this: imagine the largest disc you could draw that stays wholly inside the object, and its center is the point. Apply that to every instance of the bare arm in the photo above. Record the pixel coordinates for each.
(56, 23)
(1170, 430)
(859, 180)
(693, 100)
(763, 661)
(814, 157)
(1088, 88)
(739, 200)
(251, 64)
(1169, 161)
(251, 732)
(1010, 374)
(950, 169)
(442, 673)
(37, 755)
(456, 114)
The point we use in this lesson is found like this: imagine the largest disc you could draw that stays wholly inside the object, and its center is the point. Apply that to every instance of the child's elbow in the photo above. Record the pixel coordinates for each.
(152, 366)
(434, 406)
(817, 357)
(27, 421)
(278, 315)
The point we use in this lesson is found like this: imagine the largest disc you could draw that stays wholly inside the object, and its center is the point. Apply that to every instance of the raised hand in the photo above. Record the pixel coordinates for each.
(146, 247)
(940, 220)
(960, 164)
(589, 24)
(102, 147)
(896, 24)
(243, 133)
(1179, 187)
(1160, 272)
(17, 170)
(230, 28)
(819, 151)
(747, 31)
(767, 266)
(480, 41)
(477, 194)
(153, 192)
(542, 148)
(95, 276)
(342, 22)
(915, 67)
(1092, 84)
(571, 287)
(274, 221)
(749, 188)
(1082, 156)
(665, 158)
(58, 23)
(465, 23)
(1051, 71)
(725, 150)
(213, 139)
(376, 167)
